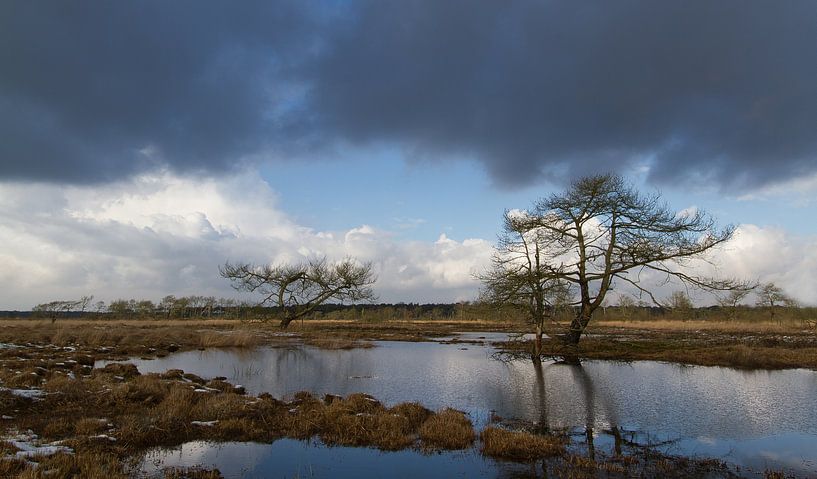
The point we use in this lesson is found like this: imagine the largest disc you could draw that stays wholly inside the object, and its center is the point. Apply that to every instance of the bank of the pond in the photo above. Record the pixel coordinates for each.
(731, 344)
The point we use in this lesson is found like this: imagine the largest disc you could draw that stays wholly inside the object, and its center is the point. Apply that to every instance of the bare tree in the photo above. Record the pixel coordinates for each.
(680, 302)
(601, 231)
(731, 300)
(520, 276)
(298, 289)
(769, 295)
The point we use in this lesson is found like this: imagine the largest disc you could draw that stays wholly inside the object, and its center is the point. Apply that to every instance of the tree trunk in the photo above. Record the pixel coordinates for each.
(575, 333)
(537, 344)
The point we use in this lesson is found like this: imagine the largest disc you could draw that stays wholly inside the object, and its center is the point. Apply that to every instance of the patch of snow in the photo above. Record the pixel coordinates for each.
(6, 417)
(26, 393)
(28, 445)
(8, 346)
(103, 436)
(204, 423)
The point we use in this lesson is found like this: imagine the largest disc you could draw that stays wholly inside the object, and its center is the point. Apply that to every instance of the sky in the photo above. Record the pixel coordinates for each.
(143, 144)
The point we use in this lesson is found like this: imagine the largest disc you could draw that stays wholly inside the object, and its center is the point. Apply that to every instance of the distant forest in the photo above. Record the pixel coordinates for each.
(202, 307)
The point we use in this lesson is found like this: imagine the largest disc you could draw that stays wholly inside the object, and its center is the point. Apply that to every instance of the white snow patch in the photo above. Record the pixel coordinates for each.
(26, 393)
(204, 423)
(29, 446)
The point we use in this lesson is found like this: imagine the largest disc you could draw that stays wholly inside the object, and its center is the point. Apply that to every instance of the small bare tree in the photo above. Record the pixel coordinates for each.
(299, 288)
(680, 303)
(769, 295)
(520, 275)
(731, 301)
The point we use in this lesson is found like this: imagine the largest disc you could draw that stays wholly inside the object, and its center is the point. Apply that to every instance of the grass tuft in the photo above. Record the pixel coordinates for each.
(447, 429)
(519, 446)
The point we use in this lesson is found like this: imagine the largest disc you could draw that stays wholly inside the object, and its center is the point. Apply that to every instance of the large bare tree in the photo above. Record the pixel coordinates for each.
(297, 289)
(599, 232)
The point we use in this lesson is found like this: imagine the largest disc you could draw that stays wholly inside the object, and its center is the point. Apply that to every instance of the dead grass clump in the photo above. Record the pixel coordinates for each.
(212, 407)
(304, 418)
(66, 392)
(337, 343)
(87, 465)
(225, 387)
(12, 467)
(359, 403)
(172, 374)
(10, 402)
(143, 389)
(58, 427)
(137, 431)
(414, 412)
(239, 429)
(27, 378)
(193, 378)
(770, 474)
(360, 420)
(228, 339)
(447, 429)
(194, 472)
(88, 426)
(519, 446)
(123, 370)
(177, 405)
(7, 449)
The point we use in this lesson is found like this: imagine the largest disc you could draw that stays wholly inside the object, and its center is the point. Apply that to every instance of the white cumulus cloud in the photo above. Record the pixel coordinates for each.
(162, 234)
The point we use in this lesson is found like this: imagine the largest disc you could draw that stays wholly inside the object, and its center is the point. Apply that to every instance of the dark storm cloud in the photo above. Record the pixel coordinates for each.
(723, 92)
(97, 90)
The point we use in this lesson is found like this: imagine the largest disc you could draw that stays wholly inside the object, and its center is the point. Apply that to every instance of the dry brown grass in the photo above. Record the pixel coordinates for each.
(191, 473)
(132, 337)
(519, 446)
(85, 465)
(447, 429)
(337, 343)
(760, 326)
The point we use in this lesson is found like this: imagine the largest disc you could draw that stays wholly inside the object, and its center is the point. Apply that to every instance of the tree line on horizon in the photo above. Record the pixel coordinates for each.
(774, 304)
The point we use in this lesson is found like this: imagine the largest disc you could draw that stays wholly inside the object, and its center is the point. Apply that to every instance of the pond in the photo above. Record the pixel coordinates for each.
(754, 419)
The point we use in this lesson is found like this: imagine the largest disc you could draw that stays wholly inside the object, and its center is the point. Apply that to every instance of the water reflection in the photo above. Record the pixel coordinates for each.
(290, 458)
(703, 410)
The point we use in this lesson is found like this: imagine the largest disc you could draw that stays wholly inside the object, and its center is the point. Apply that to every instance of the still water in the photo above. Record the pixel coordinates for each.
(754, 419)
